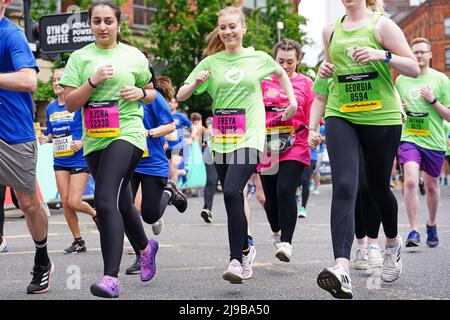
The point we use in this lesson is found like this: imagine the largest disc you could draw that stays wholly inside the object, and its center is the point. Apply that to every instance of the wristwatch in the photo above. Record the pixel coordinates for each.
(388, 56)
(149, 133)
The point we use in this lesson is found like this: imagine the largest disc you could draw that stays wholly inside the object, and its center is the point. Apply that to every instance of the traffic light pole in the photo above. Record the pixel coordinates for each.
(28, 23)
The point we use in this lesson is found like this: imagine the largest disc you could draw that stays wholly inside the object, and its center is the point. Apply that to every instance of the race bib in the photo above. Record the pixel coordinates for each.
(61, 145)
(274, 124)
(229, 125)
(359, 92)
(173, 136)
(101, 119)
(417, 124)
(146, 152)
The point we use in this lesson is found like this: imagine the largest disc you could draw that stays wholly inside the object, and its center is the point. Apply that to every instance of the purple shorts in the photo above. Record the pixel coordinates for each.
(430, 161)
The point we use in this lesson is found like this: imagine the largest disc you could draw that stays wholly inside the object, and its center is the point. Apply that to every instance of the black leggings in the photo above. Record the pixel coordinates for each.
(111, 169)
(367, 218)
(152, 188)
(234, 169)
(210, 187)
(304, 182)
(280, 205)
(379, 145)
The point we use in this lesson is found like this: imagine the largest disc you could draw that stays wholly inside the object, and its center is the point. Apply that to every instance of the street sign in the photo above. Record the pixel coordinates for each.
(64, 32)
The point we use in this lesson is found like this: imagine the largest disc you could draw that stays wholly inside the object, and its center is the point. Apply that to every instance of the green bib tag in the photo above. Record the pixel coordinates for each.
(359, 92)
(418, 124)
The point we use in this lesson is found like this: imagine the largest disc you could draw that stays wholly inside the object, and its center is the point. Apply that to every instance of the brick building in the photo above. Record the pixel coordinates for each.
(429, 19)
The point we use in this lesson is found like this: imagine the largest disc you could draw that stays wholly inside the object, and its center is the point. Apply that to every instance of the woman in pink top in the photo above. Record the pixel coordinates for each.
(281, 168)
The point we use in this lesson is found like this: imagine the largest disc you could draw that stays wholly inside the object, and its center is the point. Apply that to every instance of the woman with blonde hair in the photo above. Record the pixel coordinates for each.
(363, 111)
(232, 75)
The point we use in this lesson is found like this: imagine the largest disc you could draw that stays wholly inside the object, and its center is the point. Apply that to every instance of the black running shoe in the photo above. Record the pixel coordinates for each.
(178, 199)
(422, 186)
(135, 267)
(206, 215)
(41, 279)
(76, 247)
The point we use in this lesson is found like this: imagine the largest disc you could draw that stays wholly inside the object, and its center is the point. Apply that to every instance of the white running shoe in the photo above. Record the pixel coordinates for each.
(158, 226)
(233, 274)
(360, 262)
(336, 281)
(392, 263)
(375, 258)
(284, 252)
(276, 240)
(247, 263)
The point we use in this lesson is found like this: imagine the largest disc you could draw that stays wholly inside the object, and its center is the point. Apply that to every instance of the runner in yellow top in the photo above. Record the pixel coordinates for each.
(232, 75)
(363, 111)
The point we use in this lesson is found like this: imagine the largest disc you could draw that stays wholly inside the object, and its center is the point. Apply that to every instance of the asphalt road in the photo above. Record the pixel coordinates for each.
(193, 255)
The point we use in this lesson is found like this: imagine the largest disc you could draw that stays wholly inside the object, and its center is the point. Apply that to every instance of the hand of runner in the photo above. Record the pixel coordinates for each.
(202, 76)
(427, 94)
(103, 73)
(313, 139)
(131, 93)
(289, 112)
(326, 70)
(366, 55)
(42, 139)
(76, 145)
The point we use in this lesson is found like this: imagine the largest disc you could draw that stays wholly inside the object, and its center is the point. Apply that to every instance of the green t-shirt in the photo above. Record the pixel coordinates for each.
(322, 86)
(361, 93)
(424, 126)
(105, 116)
(234, 85)
(447, 125)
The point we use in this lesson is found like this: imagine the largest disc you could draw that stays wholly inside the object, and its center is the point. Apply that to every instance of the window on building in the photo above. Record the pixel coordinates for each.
(447, 58)
(447, 26)
(143, 12)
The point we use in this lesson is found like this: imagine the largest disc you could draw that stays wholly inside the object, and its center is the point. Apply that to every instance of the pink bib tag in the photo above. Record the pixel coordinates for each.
(101, 119)
(229, 125)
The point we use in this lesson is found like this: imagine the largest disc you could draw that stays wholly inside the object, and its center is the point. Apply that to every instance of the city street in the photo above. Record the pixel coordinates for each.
(193, 255)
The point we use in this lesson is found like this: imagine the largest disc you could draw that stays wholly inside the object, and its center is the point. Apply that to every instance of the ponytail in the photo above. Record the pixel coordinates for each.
(376, 5)
(214, 43)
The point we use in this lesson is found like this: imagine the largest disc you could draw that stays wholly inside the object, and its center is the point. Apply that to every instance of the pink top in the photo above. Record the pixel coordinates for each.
(274, 96)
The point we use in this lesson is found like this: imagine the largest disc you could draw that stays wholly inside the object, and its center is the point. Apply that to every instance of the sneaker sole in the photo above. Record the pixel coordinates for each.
(75, 252)
(328, 281)
(133, 272)
(232, 278)
(410, 244)
(375, 264)
(206, 217)
(97, 291)
(282, 256)
(52, 269)
(361, 266)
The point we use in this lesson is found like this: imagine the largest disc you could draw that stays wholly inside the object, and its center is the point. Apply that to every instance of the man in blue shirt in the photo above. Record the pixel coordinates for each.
(175, 140)
(18, 148)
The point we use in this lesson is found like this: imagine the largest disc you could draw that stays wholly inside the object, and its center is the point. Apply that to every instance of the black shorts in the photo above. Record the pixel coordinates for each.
(74, 170)
(178, 151)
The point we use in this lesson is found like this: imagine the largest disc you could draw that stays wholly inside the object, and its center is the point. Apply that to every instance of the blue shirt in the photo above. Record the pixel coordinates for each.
(16, 108)
(175, 139)
(155, 114)
(322, 133)
(65, 127)
(314, 154)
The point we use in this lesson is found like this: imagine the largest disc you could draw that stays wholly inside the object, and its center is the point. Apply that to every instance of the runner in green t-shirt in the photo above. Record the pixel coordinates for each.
(363, 112)
(424, 139)
(106, 79)
(232, 76)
